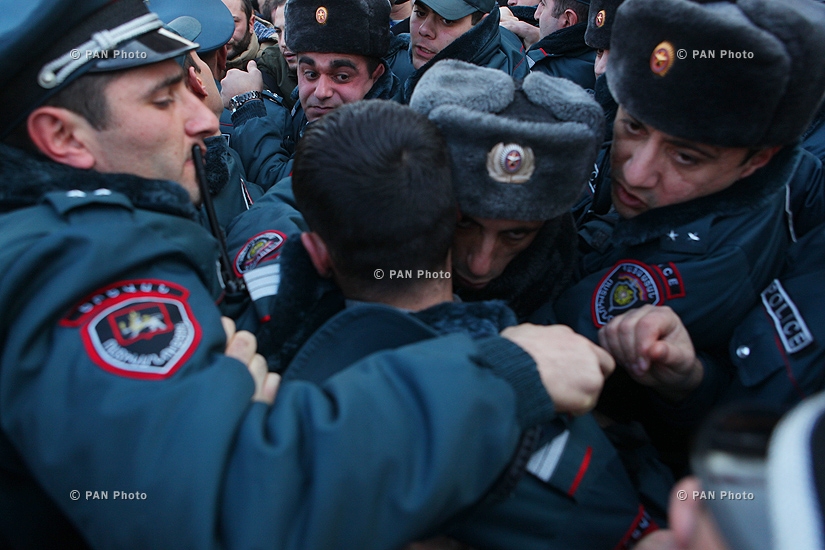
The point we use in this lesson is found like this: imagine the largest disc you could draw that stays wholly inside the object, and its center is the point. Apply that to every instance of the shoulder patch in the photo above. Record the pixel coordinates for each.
(139, 329)
(790, 326)
(262, 247)
(629, 284)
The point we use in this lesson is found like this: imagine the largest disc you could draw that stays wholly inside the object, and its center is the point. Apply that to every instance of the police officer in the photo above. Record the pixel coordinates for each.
(698, 173)
(117, 379)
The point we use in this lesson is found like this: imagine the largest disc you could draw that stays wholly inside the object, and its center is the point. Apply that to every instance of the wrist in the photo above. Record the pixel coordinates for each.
(239, 100)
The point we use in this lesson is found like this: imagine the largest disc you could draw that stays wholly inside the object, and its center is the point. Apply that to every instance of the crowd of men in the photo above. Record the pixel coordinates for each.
(429, 275)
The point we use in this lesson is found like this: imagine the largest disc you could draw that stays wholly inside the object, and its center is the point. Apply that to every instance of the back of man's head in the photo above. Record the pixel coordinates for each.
(579, 7)
(372, 179)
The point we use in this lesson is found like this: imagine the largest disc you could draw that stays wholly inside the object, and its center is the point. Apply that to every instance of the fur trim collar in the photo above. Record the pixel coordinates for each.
(538, 274)
(564, 42)
(25, 178)
(745, 195)
(479, 319)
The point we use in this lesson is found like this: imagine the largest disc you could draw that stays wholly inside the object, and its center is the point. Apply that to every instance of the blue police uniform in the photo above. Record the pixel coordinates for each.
(114, 384)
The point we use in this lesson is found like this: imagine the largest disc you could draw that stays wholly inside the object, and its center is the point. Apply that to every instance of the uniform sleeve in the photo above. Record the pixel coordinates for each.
(342, 478)
(262, 137)
(117, 396)
(256, 239)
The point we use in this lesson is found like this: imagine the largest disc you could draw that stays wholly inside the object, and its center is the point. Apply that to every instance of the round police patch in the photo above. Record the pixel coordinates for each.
(629, 284)
(140, 329)
(259, 248)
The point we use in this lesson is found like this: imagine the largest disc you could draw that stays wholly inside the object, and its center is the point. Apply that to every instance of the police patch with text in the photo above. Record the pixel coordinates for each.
(630, 284)
(141, 329)
(263, 246)
(789, 324)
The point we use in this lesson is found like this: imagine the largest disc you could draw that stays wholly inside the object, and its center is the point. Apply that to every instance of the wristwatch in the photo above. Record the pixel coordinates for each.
(240, 99)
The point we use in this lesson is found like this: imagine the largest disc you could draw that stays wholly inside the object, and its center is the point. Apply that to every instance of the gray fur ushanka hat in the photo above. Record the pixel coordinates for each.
(517, 153)
(357, 27)
(743, 73)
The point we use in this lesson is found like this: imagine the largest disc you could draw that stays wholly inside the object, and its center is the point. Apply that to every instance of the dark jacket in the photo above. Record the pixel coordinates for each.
(708, 259)
(778, 350)
(486, 44)
(277, 76)
(572, 469)
(814, 137)
(226, 181)
(114, 379)
(564, 54)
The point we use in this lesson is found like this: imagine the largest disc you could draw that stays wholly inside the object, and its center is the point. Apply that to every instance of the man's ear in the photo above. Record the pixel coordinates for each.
(758, 160)
(195, 83)
(568, 19)
(62, 136)
(219, 70)
(379, 70)
(318, 253)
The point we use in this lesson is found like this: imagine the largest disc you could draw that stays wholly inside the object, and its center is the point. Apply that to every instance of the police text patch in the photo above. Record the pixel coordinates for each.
(629, 284)
(140, 329)
(790, 326)
(263, 246)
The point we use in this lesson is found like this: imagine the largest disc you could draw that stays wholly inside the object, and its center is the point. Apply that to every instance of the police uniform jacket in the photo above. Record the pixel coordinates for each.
(114, 385)
(708, 259)
(778, 350)
(572, 491)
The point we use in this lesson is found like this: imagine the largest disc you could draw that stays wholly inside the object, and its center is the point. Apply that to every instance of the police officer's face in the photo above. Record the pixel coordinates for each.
(430, 33)
(651, 169)
(482, 248)
(328, 80)
(153, 122)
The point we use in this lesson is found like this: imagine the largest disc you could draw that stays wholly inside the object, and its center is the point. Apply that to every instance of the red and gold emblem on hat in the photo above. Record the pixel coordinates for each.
(321, 15)
(662, 58)
(600, 18)
(510, 163)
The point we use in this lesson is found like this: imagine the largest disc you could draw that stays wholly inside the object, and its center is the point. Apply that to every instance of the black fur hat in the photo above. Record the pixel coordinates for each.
(744, 73)
(358, 27)
(517, 153)
(600, 23)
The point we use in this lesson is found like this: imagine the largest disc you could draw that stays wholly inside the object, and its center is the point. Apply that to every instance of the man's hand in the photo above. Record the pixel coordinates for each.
(242, 346)
(655, 348)
(237, 82)
(528, 33)
(572, 368)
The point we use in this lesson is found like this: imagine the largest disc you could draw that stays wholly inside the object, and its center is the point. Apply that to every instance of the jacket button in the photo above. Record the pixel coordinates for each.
(743, 352)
